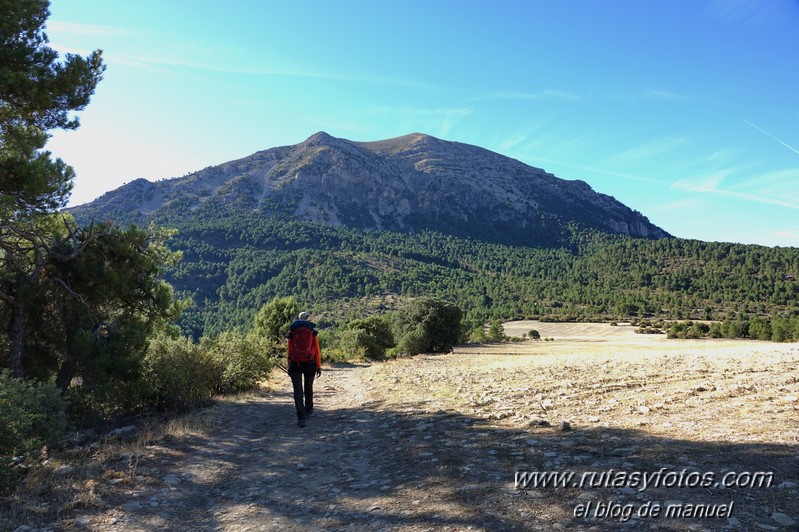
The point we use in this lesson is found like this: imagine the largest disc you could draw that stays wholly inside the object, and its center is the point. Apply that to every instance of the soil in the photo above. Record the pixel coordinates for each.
(435, 442)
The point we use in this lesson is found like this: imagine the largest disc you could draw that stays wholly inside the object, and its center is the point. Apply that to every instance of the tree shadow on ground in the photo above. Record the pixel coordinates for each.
(407, 468)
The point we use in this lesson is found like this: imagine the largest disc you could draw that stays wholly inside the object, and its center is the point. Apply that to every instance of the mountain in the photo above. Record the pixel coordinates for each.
(354, 228)
(411, 183)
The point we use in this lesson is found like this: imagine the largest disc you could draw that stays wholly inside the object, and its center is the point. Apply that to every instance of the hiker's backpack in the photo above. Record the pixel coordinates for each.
(302, 344)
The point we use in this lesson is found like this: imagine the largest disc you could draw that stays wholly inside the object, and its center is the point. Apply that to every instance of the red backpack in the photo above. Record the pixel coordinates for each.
(302, 344)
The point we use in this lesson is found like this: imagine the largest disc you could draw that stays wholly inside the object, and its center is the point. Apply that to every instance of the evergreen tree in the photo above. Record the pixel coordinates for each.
(37, 94)
(273, 319)
(427, 325)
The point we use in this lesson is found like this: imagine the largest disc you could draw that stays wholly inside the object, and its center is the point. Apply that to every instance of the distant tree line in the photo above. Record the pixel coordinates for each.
(776, 329)
(234, 262)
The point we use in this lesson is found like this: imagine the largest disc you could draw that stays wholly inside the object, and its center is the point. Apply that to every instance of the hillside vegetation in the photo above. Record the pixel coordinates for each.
(234, 262)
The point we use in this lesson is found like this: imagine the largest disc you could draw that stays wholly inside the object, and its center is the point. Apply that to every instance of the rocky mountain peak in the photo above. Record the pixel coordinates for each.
(408, 183)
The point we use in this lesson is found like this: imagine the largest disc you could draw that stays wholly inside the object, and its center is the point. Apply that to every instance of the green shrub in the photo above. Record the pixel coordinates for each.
(32, 415)
(478, 335)
(370, 337)
(496, 333)
(413, 342)
(179, 374)
(90, 404)
(352, 344)
(244, 360)
(427, 325)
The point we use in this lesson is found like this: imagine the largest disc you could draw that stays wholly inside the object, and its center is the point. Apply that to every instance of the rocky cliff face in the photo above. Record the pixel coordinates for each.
(408, 183)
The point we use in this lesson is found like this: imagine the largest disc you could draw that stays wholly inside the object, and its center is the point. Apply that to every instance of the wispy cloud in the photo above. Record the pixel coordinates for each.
(93, 30)
(437, 121)
(773, 137)
(791, 233)
(724, 155)
(772, 189)
(547, 94)
(647, 151)
(604, 171)
(163, 53)
(654, 94)
(686, 204)
(778, 184)
(705, 183)
(511, 142)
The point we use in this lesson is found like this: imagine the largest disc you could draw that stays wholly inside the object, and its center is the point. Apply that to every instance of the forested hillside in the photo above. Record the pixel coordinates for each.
(234, 262)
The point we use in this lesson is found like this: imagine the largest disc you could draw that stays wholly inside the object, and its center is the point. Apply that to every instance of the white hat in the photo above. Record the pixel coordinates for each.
(304, 316)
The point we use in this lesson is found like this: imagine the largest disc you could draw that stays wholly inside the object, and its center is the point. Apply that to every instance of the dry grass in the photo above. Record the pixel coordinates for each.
(80, 477)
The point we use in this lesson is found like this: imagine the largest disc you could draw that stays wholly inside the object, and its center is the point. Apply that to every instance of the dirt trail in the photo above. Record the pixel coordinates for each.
(433, 443)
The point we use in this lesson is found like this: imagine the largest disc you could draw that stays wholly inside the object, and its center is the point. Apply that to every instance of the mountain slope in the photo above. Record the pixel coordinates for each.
(411, 183)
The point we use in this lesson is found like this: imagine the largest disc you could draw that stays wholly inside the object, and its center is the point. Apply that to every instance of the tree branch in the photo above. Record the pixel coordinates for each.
(76, 295)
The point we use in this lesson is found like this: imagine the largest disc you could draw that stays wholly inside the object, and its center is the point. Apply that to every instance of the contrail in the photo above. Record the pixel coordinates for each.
(772, 136)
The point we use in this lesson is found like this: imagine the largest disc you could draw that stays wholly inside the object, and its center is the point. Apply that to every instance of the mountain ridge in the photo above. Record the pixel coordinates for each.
(410, 183)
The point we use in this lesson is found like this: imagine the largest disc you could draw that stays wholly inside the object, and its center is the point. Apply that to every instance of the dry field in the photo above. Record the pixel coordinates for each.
(435, 442)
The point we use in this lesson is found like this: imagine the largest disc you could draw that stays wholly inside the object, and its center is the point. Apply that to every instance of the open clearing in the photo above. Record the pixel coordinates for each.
(434, 442)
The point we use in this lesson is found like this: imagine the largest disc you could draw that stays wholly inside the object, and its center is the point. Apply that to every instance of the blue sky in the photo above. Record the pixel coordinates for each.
(685, 110)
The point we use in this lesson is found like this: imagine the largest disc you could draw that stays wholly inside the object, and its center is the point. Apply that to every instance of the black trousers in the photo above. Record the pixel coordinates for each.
(299, 372)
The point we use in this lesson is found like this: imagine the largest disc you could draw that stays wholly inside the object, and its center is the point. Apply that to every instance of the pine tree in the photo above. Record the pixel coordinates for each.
(37, 94)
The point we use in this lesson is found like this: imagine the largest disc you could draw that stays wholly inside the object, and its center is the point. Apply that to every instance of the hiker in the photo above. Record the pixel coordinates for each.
(305, 362)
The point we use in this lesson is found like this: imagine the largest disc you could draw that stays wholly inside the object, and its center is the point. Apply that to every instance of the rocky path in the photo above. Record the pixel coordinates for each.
(354, 465)
(434, 443)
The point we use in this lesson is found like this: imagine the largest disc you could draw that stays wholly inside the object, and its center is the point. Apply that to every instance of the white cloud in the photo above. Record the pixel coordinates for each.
(724, 155)
(666, 95)
(709, 184)
(435, 121)
(647, 151)
(93, 30)
(160, 52)
(686, 204)
(510, 143)
(778, 184)
(706, 183)
(631, 177)
(547, 94)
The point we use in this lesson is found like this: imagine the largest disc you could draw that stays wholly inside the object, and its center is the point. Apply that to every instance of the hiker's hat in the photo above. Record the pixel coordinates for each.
(304, 316)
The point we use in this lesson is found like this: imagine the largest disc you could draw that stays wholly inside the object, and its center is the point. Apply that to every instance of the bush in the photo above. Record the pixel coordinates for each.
(179, 374)
(413, 342)
(496, 333)
(370, 337)
(427, 325)
(31, 415)
(90, 404)
(351, 344)
(244, 361)
(478, 335)
(534, 335)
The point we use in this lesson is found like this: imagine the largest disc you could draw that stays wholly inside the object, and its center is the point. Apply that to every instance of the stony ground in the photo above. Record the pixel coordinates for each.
(435, 442)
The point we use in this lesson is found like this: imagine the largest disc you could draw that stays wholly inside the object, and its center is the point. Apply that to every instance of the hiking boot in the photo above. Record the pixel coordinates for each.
(309, 414)
(301, 423)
